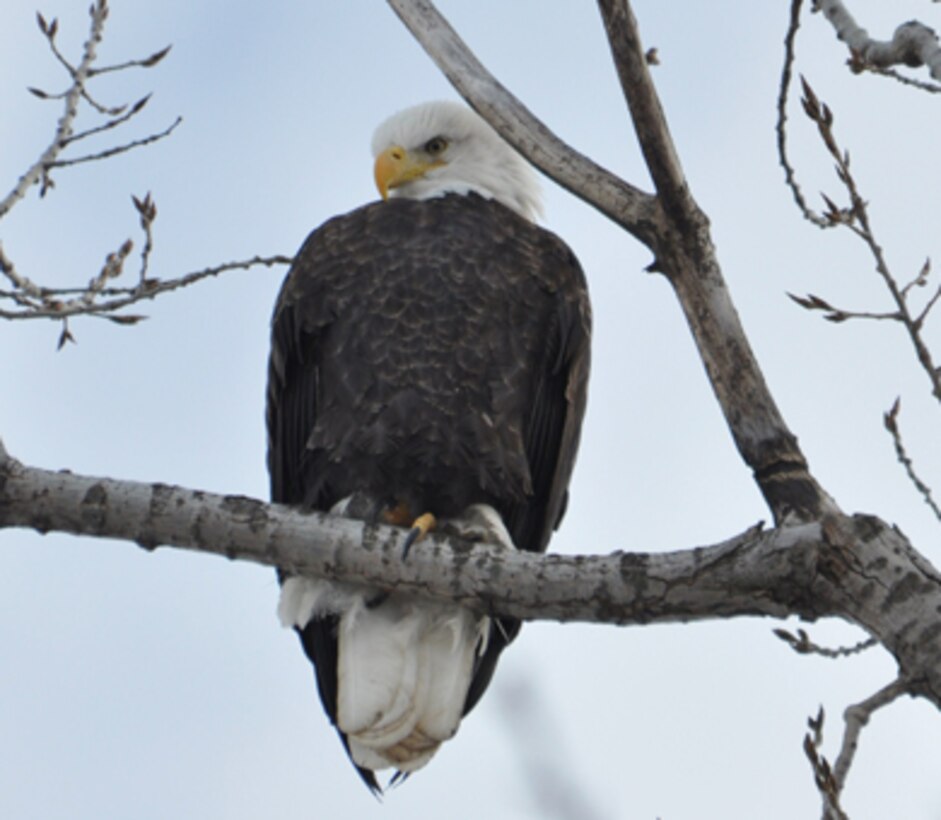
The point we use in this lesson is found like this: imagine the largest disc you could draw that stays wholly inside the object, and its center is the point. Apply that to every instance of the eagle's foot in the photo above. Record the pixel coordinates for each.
(480, 523)
(421, 526)
(401, 516)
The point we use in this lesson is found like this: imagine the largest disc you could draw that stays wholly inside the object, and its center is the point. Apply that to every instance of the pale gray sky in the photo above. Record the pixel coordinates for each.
(142, 686)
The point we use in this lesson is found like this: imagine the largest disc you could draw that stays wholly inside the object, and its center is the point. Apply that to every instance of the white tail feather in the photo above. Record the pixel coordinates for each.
(404, 666)
(404, 669)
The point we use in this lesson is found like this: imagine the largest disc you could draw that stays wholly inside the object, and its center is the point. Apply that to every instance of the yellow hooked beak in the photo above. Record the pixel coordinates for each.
(395, 166)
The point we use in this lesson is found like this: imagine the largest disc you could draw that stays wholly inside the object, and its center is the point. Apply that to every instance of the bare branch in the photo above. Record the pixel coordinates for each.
(64, 128)
(831, 781)
(920, 280)
(147, 209)
(761, 435)
(802, 645)
(790, 175)
(653, 133)
(112, 123)
(823, 773)
(146, 62)
(118, 149)
(832, 314)
(890, 419)
(856, 568)
(931, 88)
(38, 172)
(25, 292)
(120, 298)
(856, 218)
(630, 207)
(913, 44)
(856, 717)
(686, 255)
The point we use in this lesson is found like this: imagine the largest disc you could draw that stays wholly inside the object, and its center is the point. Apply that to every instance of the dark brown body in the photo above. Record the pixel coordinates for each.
(434, 353)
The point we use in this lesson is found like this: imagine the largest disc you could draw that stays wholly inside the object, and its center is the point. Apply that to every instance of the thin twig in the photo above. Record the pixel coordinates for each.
(920, 319)
(921, 85)
(24, 288)
(890, 420)
(113, 123)
(147, 209)
(77, 91)
(63, 131)
(118, 149)
(147, 290)
(824, 778)
(856, 717)
(834, 314)
(856, 218)
(802, 644)
(920, 280)
(50, 32)
(146, 62)
(790, 175)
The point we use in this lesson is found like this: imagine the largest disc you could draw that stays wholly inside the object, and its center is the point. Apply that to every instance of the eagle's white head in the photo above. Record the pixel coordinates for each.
(439, 148)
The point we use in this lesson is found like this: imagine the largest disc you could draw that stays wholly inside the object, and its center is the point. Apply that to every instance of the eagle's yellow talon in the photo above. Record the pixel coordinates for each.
(421, 526)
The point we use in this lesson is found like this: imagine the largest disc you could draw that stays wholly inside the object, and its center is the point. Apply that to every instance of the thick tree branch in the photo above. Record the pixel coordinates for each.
(656, 144)
(855, 568)
(686, 255)
(630, 207)
(846, 557)
(671, 225)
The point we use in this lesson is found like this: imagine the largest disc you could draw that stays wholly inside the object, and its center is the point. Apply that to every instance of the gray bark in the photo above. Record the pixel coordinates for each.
(855, 568)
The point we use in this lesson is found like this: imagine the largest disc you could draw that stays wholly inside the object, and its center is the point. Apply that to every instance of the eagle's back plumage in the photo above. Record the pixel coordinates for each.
(433, 352)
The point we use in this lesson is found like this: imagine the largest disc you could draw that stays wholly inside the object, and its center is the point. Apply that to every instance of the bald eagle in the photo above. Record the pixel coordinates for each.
(429, 365)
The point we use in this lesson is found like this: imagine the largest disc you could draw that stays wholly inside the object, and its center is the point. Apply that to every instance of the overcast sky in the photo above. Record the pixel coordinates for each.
(137, 685)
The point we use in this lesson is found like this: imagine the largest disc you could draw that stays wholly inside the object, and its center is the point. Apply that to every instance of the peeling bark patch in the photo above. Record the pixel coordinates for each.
(93, 509)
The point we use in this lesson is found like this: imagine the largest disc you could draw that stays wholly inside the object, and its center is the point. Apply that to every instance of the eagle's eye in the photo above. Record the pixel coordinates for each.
(435, 146)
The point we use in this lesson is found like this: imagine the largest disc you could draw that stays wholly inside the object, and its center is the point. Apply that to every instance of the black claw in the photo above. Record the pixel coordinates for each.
(398, 779)
(413, 535)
